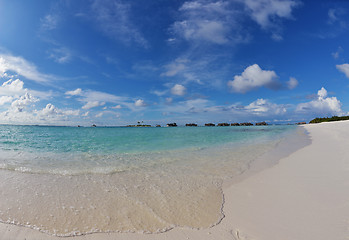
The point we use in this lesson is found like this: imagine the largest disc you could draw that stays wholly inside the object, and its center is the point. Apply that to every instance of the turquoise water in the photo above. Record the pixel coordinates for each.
(124, 140)
(112, 149)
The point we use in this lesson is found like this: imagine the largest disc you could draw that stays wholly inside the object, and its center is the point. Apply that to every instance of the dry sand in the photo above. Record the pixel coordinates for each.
(303, 197)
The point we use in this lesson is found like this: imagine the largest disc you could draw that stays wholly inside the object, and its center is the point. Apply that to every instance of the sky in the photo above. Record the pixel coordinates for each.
(118, 62)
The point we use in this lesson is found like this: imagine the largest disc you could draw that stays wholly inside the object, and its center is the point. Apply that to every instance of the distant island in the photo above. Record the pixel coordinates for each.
(331, 119)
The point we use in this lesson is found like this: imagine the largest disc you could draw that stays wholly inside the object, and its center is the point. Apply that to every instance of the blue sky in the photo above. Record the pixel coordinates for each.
(116, 62)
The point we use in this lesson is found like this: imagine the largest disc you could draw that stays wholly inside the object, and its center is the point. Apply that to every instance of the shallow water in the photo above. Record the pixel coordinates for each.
(71, 181)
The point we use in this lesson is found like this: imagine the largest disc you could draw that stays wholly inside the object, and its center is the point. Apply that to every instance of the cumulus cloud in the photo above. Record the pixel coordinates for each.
(51, 113)
(178, 90)
(5, 99)
(323, 105)
(140, 103)
(264, 107)
(92, 104)
(265, 12)
(49, 110)
(24, 68)
(292, 83)
(12, 88)
(25, 100)
(254, 77)
(344, 68)
(18, 105)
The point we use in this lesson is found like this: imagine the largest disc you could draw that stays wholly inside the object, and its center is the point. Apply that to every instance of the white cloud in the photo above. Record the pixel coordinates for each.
(210, 31)
(323, 105)
(159, 93)
(75, 92)
(49, 110)
(335, 16)
(52, 114)
(175, 67)
(92, 98)
(117, 107)
(206, 21)
(49, 22)
(201, 71)
(221, 21)
(254, 77)
(12, 88)
(205, 110)
(344, 68)
(22, 108)
(113, 17)
(264, 107)
(25, 100)
(336, 54)
(60, 55)
(332, 16)
(265, 12)
(71, 112)
(140, 103)
(24, 68)
(292, 83)
(178, 90)
(91, 95)
(99, 115)
(169, 100)
(92, 104)
(5, 99)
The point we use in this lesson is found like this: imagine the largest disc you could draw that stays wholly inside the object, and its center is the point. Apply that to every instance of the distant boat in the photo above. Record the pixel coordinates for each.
(171, 125)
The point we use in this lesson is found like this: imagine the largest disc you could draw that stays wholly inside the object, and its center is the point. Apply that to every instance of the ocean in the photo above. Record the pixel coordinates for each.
(68, 181)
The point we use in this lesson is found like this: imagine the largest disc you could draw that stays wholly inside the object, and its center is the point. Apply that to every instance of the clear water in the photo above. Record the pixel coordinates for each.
(123, 179)
(112, 149)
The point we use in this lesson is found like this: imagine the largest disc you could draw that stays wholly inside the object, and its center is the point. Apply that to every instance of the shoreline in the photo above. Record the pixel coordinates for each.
(240, 222)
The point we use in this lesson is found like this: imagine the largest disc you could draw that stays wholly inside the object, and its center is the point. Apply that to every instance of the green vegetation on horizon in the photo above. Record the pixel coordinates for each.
(331, 119)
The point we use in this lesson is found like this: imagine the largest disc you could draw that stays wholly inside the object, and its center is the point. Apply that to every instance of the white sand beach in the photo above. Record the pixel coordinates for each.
(303, 197)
